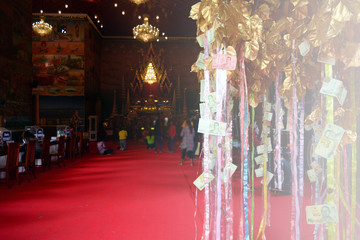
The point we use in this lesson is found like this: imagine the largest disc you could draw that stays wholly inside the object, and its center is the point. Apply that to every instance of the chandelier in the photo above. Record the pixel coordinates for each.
(145, 32)
(41, 27)
(150, 76)
(138, 2)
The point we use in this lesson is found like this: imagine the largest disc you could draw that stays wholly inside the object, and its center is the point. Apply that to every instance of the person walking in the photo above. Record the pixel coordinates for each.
(171, 134)
(158, 136)
(122, 137)
(187, 143)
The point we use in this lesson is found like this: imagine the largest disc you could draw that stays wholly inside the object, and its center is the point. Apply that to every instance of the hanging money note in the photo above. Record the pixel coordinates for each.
(211, 101)
(202, 90)
(211, 127)
(222, 61)
(200, 181)
(312, 175)
(334, 88)
(329, 141)
(231, 167)
(269, 176)
(318, 214)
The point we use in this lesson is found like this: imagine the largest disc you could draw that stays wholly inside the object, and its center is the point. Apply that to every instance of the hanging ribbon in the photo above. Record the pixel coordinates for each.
(301, 152)
(228, 159)
(206, 147)
(346, 223)
(265, 191)
(330, 163)
(220, 93)
(295, 210)
(278, 131)
(244, 142)
(353, 159)
(252, 171)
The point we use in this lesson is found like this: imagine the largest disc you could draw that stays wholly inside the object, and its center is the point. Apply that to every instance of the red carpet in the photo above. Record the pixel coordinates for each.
(133, 194)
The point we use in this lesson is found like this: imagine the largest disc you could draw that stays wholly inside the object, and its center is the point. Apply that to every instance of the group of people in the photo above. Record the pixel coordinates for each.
(154, 139)
(105, 150)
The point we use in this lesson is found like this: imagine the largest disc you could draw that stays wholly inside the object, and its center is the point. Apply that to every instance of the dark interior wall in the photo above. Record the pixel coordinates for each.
(120, 59)
(92, 70)
(15, 63)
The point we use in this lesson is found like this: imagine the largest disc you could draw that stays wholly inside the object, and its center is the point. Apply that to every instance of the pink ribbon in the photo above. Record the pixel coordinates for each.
(295, 211)
(301, 155)
(206, 229)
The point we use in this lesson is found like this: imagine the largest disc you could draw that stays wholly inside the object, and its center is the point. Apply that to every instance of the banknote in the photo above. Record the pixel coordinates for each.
(304, 48)
(319, 214)
(269, 145)
(202, 109)
(329, 141)
(212, 127)
(261, 159)
(266, 129)
(267, 107)
(211, 101)
(334, 88)
(268, 116)
(269, 176)
(259, 172)
(316, 166)
(312, 175)
(210, 37)
(223, 61)
(260, 149)
(200, 181)
(200, 61)
(202, 90)
(232, 168)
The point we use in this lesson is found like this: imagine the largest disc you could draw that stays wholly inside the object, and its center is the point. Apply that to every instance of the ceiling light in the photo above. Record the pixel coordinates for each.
(166, 37)
(115, 4)
(163, 34)
(102, 26)
(157, 40)
(66, 6)
(145, 32)
(98, 21)
(41, 27)
(157, 17)
(139, 17)
(138, 2)
(59, 11)
(95, 16)
(41, 11)
(123, 12)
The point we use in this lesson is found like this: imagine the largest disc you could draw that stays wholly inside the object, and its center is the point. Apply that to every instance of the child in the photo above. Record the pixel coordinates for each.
(150, 140)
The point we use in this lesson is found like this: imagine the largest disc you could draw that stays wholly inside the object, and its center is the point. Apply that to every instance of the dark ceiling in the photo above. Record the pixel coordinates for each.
(173, 14)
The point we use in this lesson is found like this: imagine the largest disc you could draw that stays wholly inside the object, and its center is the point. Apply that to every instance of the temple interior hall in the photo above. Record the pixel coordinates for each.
(179, 119)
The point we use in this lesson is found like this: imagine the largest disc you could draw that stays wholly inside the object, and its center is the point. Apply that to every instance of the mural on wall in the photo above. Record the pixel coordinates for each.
(58, 59)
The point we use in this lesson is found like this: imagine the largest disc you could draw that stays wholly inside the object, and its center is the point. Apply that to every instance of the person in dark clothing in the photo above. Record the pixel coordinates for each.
(158, 136)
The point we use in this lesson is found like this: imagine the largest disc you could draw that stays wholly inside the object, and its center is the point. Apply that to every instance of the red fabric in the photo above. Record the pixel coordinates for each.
(151, 89)
(132, 194)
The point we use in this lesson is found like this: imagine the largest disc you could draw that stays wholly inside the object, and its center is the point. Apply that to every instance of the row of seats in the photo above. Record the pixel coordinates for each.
(66, 148)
